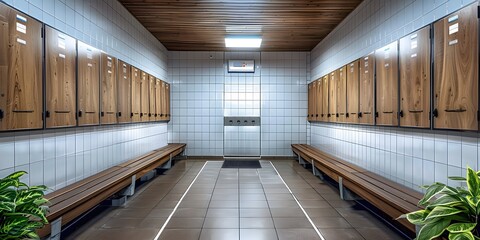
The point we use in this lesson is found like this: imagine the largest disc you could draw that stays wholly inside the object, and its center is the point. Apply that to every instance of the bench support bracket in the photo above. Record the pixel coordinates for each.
(56, 229)
(301, 161)
(317, 172)
(168, 164)
(345, 194)
(130, 190)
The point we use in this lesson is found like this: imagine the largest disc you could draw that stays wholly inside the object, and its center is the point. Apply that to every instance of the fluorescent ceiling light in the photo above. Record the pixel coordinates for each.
(243, 42)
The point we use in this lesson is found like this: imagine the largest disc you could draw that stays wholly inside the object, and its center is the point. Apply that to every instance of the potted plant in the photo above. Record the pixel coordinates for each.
(22, 208)
(449, 211)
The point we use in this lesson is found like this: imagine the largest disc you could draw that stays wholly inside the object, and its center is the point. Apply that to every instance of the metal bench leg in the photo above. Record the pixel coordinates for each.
(345, 194)
(168, 164)
(317, 172)
(128, 191)
(301, 161)
(55, 229)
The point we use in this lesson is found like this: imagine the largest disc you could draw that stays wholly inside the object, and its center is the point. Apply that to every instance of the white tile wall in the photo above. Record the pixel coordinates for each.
(411, 157)
(60, 157)
(104, 24)
(276, 92)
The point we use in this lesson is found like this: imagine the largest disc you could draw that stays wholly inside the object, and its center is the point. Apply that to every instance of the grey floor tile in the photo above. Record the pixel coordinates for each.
(219, 234)
(258, 234)
(256, 223)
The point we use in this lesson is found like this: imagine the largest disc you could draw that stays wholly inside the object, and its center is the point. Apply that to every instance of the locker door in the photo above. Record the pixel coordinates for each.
(164, 101)
(456, 70)
(167, 100)
(387, 84)
(319, 99)
(332, 97)
(341, 95)
(124, 98)
(314, 101)
(88, 85)
(367, 77)
(136, 95)
(60, 82)
(145, 97)
(20, 71)
(325, 94)
(108, 112)
(152, 114)
(353, 86)
(310, 102)
(415, 79)
(158, 99)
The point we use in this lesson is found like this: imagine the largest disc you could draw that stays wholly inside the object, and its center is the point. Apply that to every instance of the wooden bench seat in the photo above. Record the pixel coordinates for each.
(390, 197)
(72, 201)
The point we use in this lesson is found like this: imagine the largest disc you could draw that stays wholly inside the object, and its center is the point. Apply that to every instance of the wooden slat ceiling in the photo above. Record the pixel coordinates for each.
(285, 25)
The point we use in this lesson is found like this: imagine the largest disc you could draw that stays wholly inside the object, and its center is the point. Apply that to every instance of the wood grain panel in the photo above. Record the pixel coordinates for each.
(151, 102)
(319, 99)
(342, 94)
(332, 96)
(145, 97)
(88, 85)
(60, 82)
(108, 110)
(136, 95)
(311, 101)
(367, 86)
(314, 101)
(287, 25)
(158, 99)
(325, 94)
(353, 94)
(414, 56)
(124, 97)
(167, 100)
(387, 85)
(456, 70)
(20, 71)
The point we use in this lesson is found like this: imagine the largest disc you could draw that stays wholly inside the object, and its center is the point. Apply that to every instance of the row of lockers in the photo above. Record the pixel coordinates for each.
(393, 85)
(49, 78)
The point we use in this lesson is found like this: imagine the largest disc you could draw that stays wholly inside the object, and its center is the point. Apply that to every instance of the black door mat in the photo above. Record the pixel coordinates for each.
(241, 164)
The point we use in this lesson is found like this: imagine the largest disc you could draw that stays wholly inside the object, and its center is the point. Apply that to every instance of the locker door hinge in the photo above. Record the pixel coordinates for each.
(47, 114)
(1, 114)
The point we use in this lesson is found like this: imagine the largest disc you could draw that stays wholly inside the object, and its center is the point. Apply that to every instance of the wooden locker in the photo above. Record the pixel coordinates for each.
(353, 94)
(163, 100)
(367, 77)
(152, 113)
(310, 102)
(158, 99)
(21, 104)
(167, 100)
(124, 97)
(88, 85)
(332, 97)
(325, 94)
(415, 79)
(387, 85)
(145, 90)
(108, 108)
(319, 99)
(136, 95)
(341, 94)
(314, 102)
(456, 70)
(60, 82)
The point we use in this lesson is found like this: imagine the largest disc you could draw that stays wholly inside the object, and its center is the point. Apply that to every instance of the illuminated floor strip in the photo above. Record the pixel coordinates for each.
(296, 200)
(179, 202)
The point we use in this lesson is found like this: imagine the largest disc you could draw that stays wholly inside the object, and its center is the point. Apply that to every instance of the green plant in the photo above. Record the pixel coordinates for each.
(449, 209)
(22, 208)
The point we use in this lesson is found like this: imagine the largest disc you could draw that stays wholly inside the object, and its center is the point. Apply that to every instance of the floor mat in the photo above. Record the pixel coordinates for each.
(241, 164)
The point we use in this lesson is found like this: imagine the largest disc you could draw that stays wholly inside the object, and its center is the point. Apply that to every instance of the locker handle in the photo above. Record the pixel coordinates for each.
(351, 114)
(316, 115)
(1, 114)
(401, 113)
(47, 114)
(328, 115)
(321, 114)
(360, 114)
(367, 113)
(22, 111)
(119, 114)
(62, 111)
(347, 115)
(90, 112)
(456, 110)
(390, 112)
(435, 113)
(336, 115)
(110, 112)
(341, 114)
(415, 111)
(161, 114)
(80, 113)
(102, 114)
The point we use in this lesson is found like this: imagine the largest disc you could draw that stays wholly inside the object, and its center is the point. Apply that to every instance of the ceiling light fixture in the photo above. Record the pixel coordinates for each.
(243, 41)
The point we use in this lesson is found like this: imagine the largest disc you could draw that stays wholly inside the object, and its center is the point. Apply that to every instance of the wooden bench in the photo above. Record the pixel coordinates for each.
(72, 201)
(390, 197)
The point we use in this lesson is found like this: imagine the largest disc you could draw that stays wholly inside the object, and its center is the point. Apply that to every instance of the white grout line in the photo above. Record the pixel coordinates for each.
(179, 202)
(296, 200)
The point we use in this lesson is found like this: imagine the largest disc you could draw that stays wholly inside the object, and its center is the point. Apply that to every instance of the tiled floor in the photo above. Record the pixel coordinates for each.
(233, 204)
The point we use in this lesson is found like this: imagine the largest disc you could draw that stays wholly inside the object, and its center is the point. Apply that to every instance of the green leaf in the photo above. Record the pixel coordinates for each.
(16, 175)
(461, 227)
(6, 183)
(431, 192)
(7, 206)
(442, 211)
(457, 178)
(446, 200)
(461, 236)
(473, 182)
(417, 217)
(433, 229)
(33, 235)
